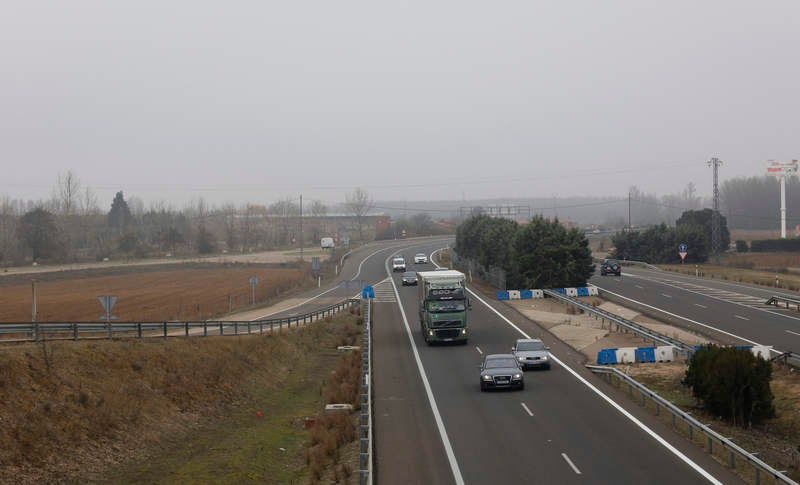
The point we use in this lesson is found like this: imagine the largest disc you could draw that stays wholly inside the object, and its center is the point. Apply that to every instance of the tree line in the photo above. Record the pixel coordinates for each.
(71, 226)
(540, 254)
(659, 244)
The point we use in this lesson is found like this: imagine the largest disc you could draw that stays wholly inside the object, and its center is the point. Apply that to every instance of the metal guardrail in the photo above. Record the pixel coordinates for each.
(365, 475)
(637, 329)
(783, 300)
(788, 358)
(694, 425)
(25, 332)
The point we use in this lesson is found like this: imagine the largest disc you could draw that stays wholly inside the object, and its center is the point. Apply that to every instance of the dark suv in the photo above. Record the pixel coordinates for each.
(610, 266)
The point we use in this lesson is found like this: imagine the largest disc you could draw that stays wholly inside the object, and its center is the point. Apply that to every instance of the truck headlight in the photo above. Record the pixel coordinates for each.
(430, 332)
(463, 331)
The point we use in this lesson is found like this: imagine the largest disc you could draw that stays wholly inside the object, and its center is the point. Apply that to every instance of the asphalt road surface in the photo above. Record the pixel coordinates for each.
(433, 425)
(731, 312)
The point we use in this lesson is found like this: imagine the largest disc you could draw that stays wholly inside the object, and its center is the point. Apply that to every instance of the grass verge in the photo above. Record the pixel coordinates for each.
(777, 441)
(178, 410)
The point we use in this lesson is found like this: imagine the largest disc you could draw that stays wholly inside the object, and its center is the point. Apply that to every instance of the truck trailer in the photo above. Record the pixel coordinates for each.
(443, 306)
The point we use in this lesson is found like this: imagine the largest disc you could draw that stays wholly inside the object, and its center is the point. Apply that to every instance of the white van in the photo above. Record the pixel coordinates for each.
(326, 243)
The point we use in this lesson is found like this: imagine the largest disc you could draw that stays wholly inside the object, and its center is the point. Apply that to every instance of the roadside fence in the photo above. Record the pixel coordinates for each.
(366, 455)
(493, 275)
(29, 332)
(722, 448)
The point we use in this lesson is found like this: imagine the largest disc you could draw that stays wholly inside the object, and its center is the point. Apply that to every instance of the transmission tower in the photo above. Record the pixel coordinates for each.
(716, 229)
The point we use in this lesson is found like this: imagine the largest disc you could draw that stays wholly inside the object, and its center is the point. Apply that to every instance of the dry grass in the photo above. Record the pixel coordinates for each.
(99, 404)
(775, 278)
(165, 293)
(777, 440)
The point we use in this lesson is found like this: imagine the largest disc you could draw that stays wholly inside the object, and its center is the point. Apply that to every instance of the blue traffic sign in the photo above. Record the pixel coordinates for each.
(683, 248)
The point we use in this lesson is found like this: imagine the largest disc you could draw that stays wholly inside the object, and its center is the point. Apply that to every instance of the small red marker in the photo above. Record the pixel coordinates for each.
(258, 413)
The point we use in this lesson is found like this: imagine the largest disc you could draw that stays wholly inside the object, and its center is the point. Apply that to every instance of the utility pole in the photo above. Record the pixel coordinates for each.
(629, 211)
(301, 227)
(716, 230)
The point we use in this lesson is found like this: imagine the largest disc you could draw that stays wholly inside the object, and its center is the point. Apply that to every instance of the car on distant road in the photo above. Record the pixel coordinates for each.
(420, 258)
(398, 263)
(501, 371)
(610, 266)
(531, 353)
(410, 278)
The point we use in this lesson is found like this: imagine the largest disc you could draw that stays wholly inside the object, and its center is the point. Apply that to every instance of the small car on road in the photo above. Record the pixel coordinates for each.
(501, 371)
(398, 263)
(610, 266)
(420, 258)
(409, 278)
(531, 353)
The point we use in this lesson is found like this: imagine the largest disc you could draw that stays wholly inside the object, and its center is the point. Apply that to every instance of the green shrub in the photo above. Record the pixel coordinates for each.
(741, 246)
(732, 383)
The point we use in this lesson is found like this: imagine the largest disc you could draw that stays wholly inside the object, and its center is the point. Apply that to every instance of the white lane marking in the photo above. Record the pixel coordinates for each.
(666, 295)
(741, 317)
(479, 350)
(714, 297)
(701, 306)
(526, 409)
(793, 333)
(572, 465)
(610, 401)
(448, 448)
(687, 319)
(640, 287)
(326, 291)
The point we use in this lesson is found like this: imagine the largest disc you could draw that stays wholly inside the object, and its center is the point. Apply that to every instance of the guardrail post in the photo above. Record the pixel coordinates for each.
(758, 476)
(205, 329)
(691, 432)
(732, 460)
(236, 328)
(710, 446)
(139, 329)
(260, 327)
(165, 329)
(109, 330)
(186, 329)
(248, 328)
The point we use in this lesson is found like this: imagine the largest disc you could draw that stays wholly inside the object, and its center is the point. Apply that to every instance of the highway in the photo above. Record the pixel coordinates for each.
(433, 425)
(728, 311)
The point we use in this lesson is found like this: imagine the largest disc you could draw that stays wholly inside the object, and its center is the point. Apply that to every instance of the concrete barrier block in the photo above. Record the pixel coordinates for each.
(513, 295)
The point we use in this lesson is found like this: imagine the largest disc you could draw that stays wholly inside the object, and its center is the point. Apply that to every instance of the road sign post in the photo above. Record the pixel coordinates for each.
(683, 250)
(108, 301)
(253, 283)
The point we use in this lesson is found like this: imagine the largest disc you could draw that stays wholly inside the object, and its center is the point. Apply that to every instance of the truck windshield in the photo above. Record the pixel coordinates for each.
(443, 306)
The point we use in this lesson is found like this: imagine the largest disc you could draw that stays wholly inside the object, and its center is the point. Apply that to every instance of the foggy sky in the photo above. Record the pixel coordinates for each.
(254, 101)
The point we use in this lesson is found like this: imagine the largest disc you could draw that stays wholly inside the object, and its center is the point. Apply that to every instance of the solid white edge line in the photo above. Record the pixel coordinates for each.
(526, 409)
(479, 350)
(572, 465)
(683, 318)
(616, 406)
(324, 292)
(793, 333)
(732, 302)
(448, 448)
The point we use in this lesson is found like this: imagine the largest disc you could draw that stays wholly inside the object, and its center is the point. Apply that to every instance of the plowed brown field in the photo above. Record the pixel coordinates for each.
(191, 292)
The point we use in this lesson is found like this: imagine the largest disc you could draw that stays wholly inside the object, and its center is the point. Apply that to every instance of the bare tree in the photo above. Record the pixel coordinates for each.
(318, 209)
(8, 226)
(88, 203)
(231, 229)
(67, 193)
(359, 203)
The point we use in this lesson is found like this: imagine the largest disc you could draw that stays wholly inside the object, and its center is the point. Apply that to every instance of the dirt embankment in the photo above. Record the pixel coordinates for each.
(183, 409)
